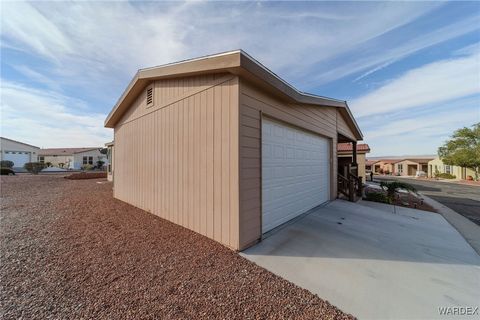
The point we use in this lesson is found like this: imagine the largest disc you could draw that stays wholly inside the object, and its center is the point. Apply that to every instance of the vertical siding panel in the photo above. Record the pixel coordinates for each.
(217, 164)
(175, 161)
(210, 157)
(196, 209)
(203, 164)
(191, 162)
(225, 163)
(181, 161)
(162, 162)
(234, 163)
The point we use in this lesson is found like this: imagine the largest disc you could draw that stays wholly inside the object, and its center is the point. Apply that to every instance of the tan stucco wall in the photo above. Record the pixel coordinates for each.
(458, 172)
(383, 165)
(178, 159)
(405, 164)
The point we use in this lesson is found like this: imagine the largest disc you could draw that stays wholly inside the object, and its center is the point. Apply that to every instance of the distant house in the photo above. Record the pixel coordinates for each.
(110, 153)
(436, 166)
(384, 165)
(368, 165)
(344, 153)
(409, 167)
(72, 158)
(17, 152)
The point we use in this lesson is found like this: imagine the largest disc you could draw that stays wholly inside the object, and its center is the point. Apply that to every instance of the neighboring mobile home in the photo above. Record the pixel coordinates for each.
(72, 158)
(344, 151)
(110, 151)
(224, 147)
(436, 166)
(17, 152)
(384, 166)
(409, 167)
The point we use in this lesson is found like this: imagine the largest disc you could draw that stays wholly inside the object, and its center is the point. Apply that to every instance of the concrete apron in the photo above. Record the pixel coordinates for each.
(375, 264)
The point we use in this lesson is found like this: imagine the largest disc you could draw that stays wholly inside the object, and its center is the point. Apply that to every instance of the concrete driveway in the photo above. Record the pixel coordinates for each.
(375, 264)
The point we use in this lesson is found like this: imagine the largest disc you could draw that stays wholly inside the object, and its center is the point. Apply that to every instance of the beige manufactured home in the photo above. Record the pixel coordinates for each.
(224, 147)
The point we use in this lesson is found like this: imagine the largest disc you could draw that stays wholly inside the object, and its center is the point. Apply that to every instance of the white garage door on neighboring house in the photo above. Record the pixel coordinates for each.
(19, 158)
(295, 172)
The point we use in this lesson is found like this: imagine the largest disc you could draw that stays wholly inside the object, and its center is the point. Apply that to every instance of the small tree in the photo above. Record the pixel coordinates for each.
(393, 186)
(48, 164)
(6, 164)
(463, 149)
(34, 167)
(100, 164)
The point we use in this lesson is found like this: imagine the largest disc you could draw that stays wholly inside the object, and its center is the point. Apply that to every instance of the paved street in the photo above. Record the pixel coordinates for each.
(463, 199)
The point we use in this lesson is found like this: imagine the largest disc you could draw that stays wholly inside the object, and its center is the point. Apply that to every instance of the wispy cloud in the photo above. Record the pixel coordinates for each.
(46, 118)
(85, 53)
(432, 83)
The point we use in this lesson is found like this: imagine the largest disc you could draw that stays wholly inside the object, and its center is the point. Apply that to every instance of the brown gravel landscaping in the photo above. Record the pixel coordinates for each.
(86, 175)
(69, 250)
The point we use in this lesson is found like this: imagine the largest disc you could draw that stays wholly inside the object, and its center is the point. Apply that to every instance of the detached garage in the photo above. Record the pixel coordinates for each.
(224, 147)
(17, 152)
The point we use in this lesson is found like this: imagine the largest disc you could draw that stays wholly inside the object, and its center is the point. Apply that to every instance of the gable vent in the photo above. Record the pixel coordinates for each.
(149, 96)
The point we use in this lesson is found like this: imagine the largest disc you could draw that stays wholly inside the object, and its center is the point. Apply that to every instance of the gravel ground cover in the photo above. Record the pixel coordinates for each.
(69, 250)
(86, 175)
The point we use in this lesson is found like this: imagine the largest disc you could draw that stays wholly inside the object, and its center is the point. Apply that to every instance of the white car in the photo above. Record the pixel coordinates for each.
(420, 174)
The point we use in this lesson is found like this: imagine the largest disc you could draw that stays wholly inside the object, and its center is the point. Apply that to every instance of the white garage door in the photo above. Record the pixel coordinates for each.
(19, 158)
(295, 172)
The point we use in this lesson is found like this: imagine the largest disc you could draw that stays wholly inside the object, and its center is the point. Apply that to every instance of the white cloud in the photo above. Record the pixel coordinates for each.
(48, 119)
(93, 48)
(89, 42)
(432, 83)
(422, 134)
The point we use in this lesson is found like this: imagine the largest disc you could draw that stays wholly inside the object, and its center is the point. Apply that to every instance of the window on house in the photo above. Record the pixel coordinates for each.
(400, 168)
(87, 160)
(41, 159)
(448, 169)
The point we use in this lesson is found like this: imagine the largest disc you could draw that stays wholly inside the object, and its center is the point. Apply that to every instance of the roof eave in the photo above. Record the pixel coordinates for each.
(236, 62)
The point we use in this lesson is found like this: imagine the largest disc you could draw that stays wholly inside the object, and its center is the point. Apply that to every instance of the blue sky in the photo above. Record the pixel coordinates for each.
(410, 71)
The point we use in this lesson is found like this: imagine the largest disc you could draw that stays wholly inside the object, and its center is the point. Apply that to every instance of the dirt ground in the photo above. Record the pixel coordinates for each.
(69, 250)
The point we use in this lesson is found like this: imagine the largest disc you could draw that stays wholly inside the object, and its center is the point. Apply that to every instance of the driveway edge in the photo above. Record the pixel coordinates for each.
(469, 230)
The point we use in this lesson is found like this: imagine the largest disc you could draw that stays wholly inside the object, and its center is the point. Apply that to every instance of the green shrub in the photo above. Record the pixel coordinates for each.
(376, 197)
(445, 176)
(34, 167)
(6, 164)
(393, 186)
(87, 167)
(6, 171)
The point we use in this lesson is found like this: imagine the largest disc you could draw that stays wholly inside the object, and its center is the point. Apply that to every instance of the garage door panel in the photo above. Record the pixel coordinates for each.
(295, 172)
(19, 158)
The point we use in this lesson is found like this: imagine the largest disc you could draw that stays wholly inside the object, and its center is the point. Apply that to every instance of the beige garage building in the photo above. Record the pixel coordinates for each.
(224, 147)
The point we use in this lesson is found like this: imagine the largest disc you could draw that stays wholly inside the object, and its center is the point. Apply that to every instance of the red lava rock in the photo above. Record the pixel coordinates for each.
(86, 175)
(87, 255)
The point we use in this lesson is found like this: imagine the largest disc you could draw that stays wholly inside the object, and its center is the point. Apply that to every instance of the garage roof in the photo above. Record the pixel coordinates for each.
(236, 62)
(64, 151)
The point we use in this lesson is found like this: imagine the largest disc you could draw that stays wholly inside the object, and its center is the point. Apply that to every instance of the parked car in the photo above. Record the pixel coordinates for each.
(420, 174)
(6, 172)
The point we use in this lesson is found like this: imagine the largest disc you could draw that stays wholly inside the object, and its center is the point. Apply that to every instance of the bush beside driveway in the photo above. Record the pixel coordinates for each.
(69, 250)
